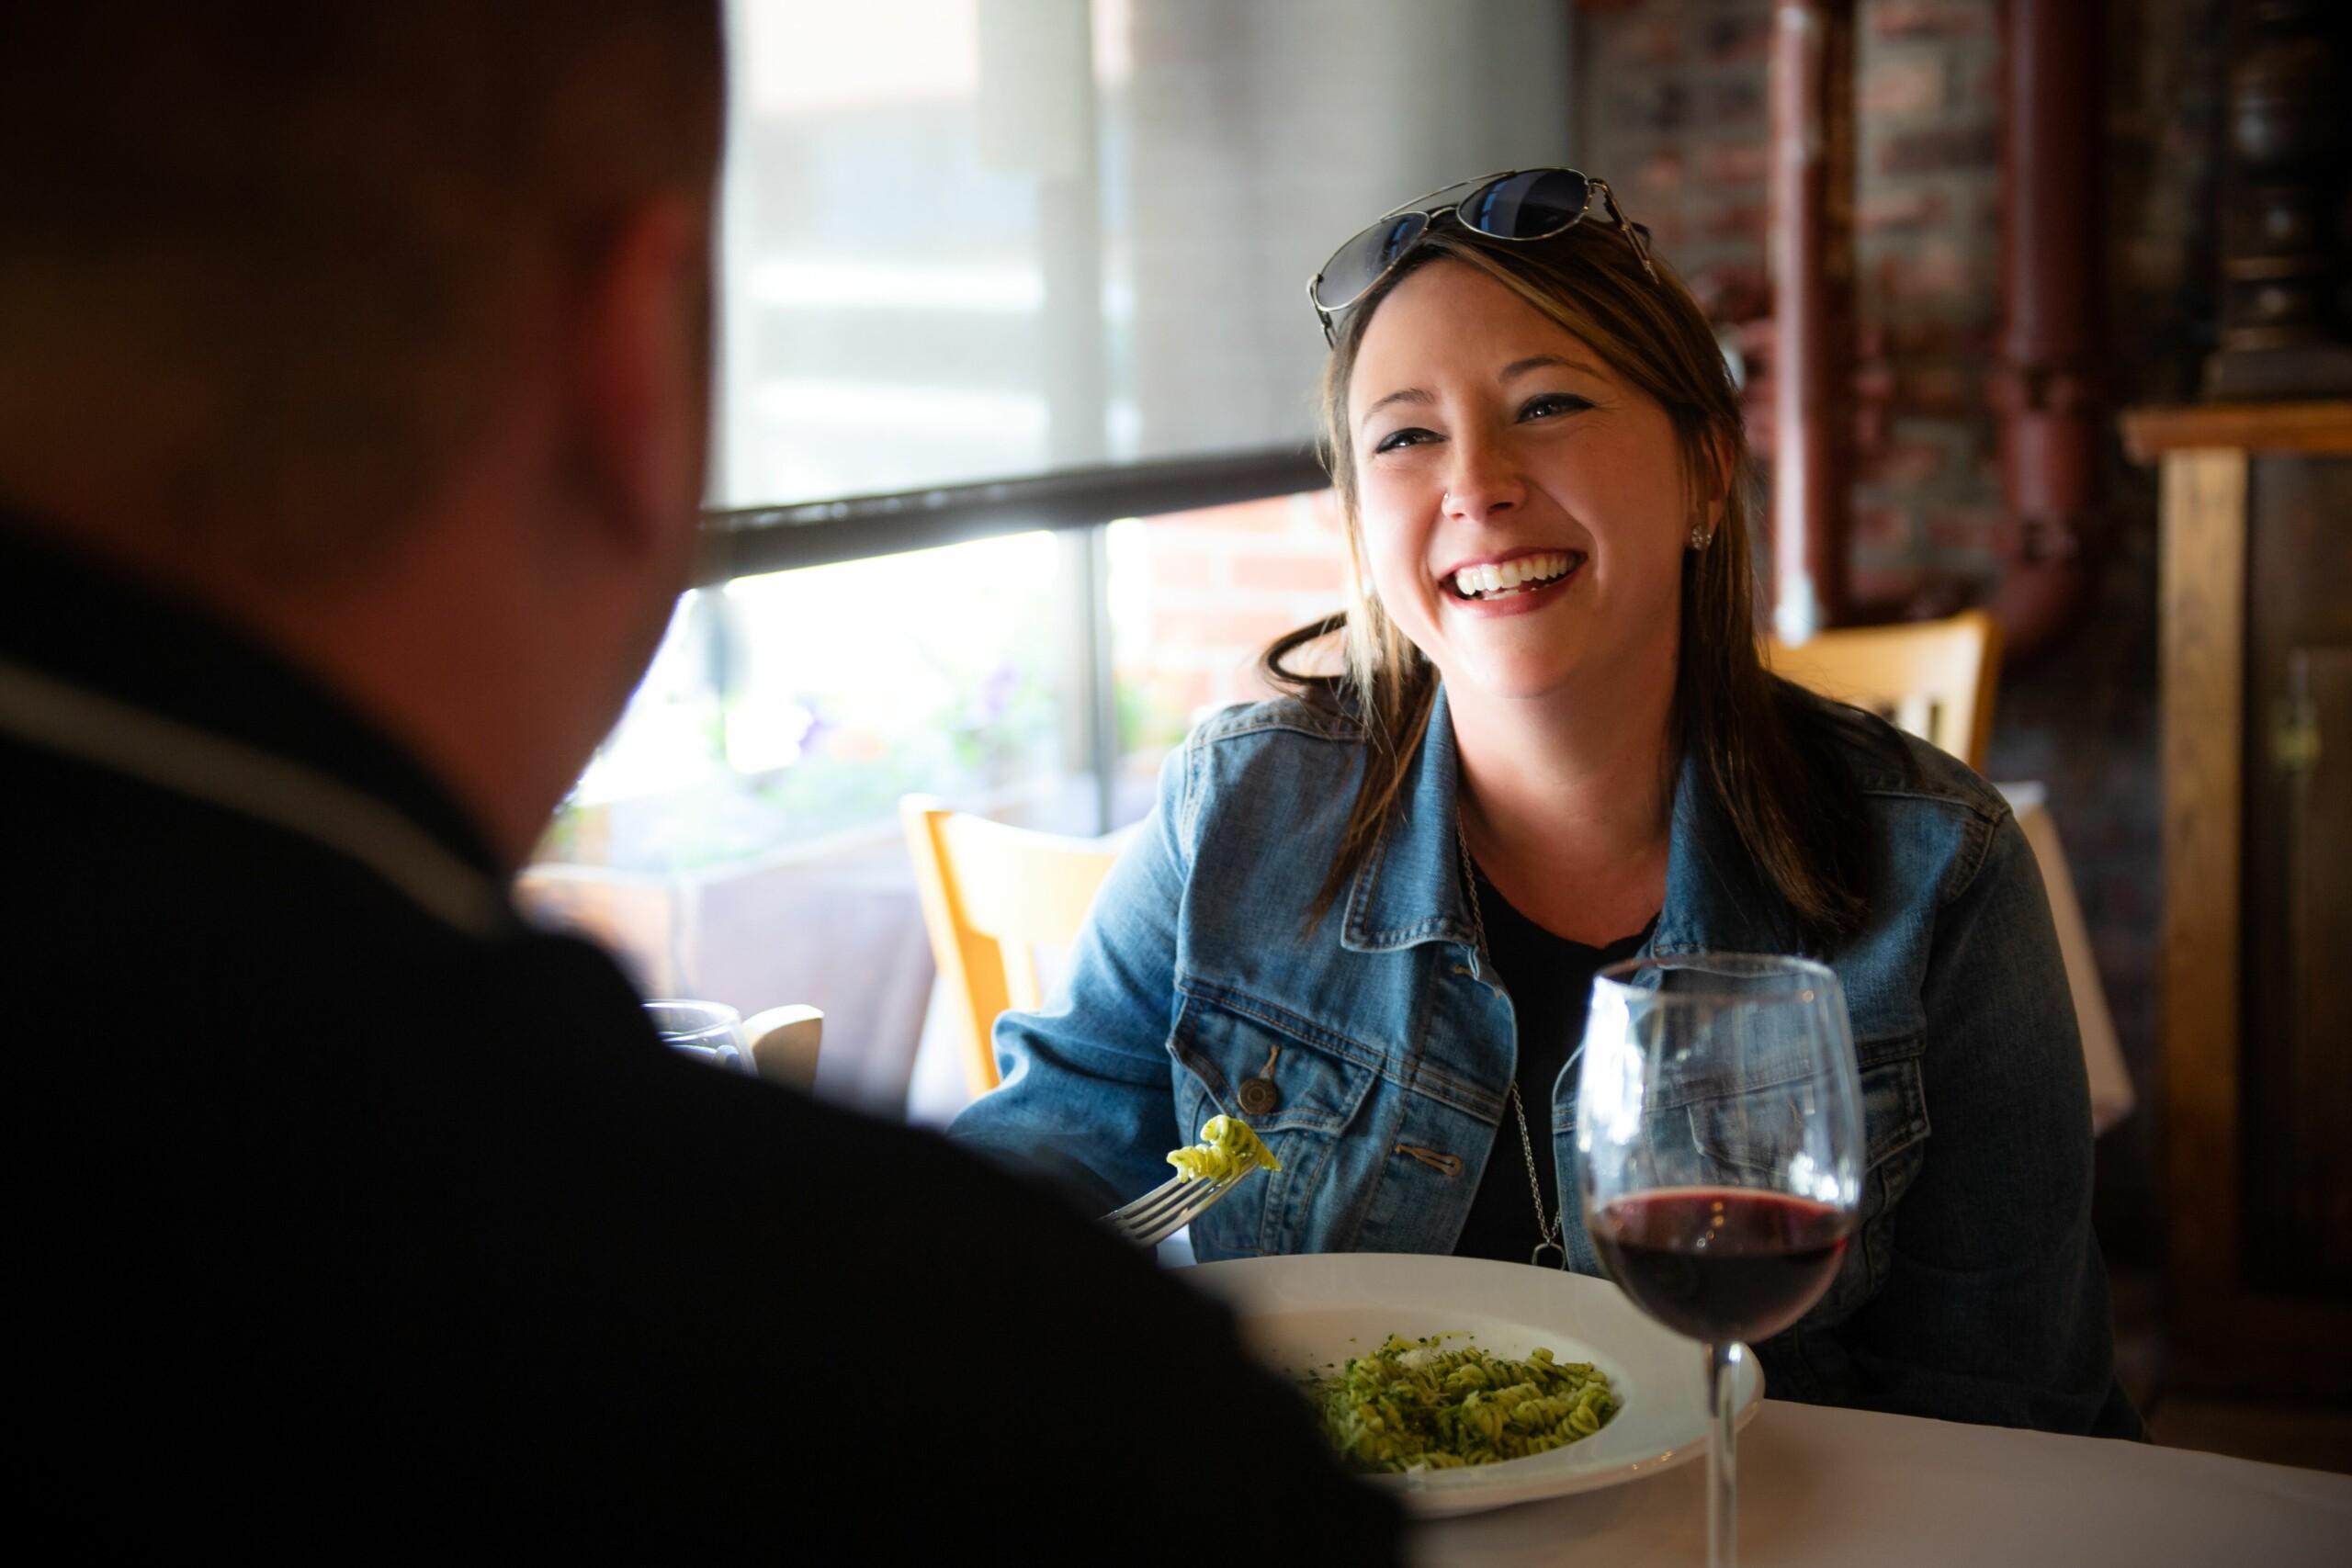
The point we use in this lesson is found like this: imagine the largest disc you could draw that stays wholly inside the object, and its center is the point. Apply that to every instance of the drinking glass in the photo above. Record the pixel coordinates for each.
(1719, 1151)
(711, 1031)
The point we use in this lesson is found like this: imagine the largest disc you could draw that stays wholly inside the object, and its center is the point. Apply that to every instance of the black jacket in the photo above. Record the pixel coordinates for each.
(350, 1216)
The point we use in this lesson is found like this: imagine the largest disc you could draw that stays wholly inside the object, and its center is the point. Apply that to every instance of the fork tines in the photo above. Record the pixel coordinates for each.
(1173, 1204)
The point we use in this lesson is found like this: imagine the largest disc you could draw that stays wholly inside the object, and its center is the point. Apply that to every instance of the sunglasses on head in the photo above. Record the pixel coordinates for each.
(1519, 203)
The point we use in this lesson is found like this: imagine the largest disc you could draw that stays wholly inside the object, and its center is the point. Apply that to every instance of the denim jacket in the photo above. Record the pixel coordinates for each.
(1973, 1290)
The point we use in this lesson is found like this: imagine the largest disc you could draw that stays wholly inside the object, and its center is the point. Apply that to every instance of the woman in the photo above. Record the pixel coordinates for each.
(1365, 916)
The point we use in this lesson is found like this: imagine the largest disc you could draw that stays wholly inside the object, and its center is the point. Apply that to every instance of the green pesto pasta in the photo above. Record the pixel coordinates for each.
(1414, 1404)
(1226, 1142)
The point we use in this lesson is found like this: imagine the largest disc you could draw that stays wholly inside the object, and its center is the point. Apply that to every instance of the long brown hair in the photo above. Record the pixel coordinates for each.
(1769, 757)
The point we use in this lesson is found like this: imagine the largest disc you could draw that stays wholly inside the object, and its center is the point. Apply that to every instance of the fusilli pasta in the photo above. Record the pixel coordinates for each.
(1415, 1404)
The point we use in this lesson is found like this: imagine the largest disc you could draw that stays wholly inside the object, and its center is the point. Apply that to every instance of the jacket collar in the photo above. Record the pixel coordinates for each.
(103, 669)
(1717, 898)
(1409, 890)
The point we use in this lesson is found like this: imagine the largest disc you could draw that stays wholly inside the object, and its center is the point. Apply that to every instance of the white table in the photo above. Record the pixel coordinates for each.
(1825, 1487)
(2111, 1096)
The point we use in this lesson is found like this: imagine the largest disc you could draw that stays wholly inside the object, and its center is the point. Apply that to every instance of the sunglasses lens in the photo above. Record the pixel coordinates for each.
(1527, 206)
(1357, 266)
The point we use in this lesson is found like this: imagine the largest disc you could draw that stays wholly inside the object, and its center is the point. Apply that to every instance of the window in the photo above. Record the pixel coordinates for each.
(1051, 242)
(972, 239)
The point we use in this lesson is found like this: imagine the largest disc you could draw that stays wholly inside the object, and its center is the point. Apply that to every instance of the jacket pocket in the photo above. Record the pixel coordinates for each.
(1895, 1116)
(1317, 1092)
(1894, 1128)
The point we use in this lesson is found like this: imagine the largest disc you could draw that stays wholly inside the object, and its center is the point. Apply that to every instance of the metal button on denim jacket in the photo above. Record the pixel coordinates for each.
(1973, 1289)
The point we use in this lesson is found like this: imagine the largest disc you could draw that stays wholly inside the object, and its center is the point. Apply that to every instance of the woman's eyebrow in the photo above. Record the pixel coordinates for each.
(1510, 372)
(1518, 367)
(1402, 395)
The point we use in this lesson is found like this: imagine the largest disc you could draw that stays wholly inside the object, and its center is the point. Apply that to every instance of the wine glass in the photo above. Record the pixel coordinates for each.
(1719, 1149)
(710, 1032)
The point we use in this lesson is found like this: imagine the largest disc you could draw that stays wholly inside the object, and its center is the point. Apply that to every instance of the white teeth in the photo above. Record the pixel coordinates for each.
(1510, 576)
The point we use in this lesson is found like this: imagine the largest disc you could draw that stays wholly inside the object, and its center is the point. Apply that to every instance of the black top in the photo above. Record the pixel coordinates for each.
(340, 1228)
(1549, 979)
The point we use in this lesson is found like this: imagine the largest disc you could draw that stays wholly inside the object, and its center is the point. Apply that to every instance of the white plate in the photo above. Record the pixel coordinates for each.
(1302, 1312)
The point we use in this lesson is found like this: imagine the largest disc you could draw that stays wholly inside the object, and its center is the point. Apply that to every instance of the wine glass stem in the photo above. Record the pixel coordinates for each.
(1723, 1459)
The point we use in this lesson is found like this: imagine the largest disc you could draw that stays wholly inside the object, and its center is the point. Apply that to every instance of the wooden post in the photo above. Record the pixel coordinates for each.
(2233, 1328)
(2203, 675)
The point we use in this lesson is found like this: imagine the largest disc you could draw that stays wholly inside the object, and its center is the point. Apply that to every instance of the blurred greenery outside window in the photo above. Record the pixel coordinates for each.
(789, 712)
(799, 706)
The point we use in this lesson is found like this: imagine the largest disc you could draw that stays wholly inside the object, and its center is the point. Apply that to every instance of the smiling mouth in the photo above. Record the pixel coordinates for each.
(1504, 580)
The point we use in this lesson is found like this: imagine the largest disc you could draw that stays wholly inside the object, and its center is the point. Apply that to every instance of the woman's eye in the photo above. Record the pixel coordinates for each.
(1411, 436)
(1547, 405)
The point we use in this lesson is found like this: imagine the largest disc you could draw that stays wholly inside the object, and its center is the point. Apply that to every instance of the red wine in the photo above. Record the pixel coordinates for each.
(1719, 1262)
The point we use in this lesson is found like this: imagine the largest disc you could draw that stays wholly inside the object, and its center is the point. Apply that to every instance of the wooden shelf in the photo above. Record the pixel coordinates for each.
(2317, 428)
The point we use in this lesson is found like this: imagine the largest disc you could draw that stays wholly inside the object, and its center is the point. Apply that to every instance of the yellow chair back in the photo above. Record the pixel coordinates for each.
(1934, 679)
(992, 895)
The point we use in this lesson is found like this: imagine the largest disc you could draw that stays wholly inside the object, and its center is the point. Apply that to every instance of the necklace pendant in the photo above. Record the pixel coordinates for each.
(1536, 1258)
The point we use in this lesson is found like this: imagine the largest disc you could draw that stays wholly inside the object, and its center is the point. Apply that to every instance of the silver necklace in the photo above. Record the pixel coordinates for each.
(1554, 1228)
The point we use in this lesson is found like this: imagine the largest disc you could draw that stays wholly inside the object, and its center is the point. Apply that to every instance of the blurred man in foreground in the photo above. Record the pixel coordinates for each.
(353, 370)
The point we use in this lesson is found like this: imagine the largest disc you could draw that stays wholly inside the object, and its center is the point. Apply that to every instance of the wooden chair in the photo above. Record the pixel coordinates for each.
(991, 895)
(1934, 679)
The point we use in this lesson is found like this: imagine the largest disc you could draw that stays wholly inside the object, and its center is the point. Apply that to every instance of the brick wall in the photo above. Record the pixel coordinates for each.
(1221, 584)
(1676, 97)
(1672, 108)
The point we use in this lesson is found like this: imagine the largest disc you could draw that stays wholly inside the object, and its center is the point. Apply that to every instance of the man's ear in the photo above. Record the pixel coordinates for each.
(640, 370)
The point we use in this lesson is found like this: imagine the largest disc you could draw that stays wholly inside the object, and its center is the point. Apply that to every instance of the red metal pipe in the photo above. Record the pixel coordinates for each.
(1813, 291)
(2045, 387)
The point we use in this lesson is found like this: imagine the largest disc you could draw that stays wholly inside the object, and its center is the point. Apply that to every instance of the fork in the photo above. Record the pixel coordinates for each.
(1173, 1204)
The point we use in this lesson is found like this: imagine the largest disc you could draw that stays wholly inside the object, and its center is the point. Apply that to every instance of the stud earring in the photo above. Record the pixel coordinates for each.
(1699, 537)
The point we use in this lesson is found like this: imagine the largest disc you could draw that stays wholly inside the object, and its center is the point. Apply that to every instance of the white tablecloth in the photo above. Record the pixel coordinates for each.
(1824, 1488)
(1828, 1486)
(2111, 1096)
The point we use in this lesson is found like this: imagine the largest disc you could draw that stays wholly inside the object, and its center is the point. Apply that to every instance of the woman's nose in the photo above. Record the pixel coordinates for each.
(1484, 482)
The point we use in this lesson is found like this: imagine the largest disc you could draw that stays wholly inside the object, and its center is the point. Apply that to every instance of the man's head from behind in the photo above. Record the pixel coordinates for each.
(287, 284)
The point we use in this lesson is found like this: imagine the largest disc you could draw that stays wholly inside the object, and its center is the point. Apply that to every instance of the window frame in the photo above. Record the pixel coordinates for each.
(747, 541)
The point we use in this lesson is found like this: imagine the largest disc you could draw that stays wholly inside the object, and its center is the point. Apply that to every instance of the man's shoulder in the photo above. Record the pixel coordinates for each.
(158, 895)
(484, 1170)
